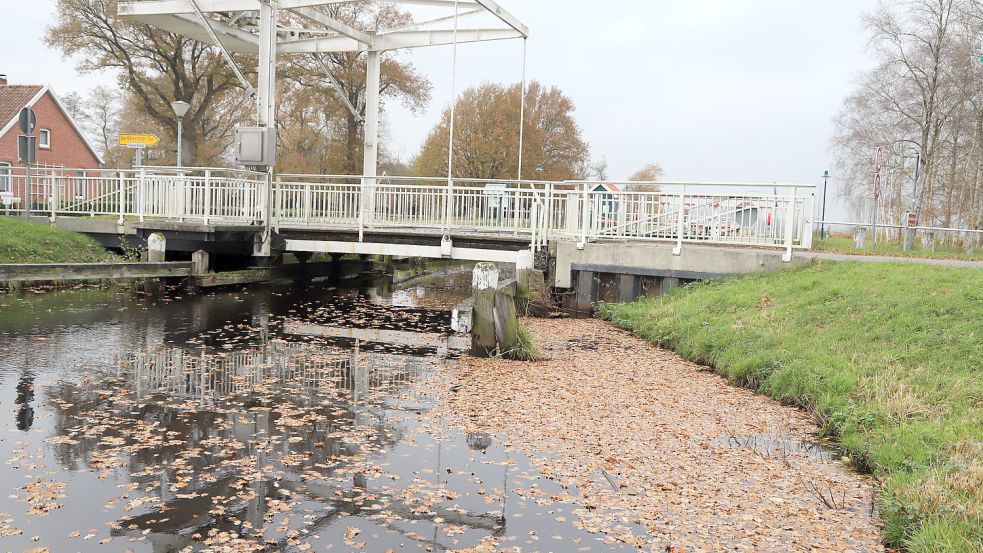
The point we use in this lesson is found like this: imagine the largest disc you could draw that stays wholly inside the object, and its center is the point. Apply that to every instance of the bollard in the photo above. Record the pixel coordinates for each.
(199, 262)
(484, 285)
(156, 248)
(860, 238)
(928, 241)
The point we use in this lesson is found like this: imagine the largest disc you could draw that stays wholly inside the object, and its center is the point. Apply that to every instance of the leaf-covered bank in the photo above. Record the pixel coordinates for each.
(888, 357)
(663, 454)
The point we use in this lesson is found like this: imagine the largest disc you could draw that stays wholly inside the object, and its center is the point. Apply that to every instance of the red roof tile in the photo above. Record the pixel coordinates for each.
(13, 98)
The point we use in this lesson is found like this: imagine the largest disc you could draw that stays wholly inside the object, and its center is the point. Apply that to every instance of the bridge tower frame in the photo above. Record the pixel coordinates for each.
(231, 26)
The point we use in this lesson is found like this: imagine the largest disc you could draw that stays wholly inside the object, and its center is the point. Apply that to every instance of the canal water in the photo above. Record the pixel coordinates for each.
(281, 418)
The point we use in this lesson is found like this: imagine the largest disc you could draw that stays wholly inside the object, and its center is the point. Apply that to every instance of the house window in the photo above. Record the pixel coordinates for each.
(44, 139)
(79, 185)
(5, 178)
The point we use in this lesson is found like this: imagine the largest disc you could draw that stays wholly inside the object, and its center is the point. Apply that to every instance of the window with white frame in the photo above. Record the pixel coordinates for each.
(5, 178)
(44, 139)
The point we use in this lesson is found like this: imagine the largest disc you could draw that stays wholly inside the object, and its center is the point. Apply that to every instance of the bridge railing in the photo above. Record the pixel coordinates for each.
(479, 205)
(156, 192)
(725, 213)
(721, 213)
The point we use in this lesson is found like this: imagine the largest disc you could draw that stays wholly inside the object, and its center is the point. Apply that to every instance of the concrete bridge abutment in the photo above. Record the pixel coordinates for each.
(617, 272)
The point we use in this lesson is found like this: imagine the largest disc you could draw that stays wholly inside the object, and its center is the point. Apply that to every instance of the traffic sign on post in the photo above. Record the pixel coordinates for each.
(28, 121)
(143, 139)
(26, 149)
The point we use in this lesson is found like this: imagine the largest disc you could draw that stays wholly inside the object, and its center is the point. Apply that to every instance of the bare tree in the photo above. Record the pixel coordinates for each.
(645, 176)
(486, 135)
(923, 100)
(323, 87)
(156, 68)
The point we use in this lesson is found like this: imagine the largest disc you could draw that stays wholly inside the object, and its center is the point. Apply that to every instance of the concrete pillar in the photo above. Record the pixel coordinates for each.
(585, 292)
(928, 241)
(629, 288)
(156, 248)
(669, 283)
(199, 262)
(484, 285)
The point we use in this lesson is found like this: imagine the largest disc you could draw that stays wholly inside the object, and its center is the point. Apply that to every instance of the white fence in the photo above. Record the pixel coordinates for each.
(156, 192)
(762, 215)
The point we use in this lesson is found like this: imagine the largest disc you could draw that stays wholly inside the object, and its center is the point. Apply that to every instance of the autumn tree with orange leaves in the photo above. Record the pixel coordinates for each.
(486, 136)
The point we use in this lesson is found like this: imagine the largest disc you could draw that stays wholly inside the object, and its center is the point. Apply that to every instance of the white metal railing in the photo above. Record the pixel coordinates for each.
(769, 215)
(737, 214)
(155, 192)
(716, 213)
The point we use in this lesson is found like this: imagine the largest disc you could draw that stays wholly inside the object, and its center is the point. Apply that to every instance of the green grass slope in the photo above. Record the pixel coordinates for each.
(888, 357)
(23, 241)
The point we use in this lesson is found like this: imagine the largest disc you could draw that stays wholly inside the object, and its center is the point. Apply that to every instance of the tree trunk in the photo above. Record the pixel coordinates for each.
(189, 144)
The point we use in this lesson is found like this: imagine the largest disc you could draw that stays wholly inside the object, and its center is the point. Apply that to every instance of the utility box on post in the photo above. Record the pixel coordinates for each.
(256, 146)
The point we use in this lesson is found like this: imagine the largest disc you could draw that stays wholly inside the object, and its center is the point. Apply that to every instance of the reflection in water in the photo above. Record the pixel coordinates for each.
(25, 395)
(255, 420)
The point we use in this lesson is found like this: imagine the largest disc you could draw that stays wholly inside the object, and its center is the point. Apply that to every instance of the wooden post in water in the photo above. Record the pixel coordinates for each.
(506, 318)
(484, 285)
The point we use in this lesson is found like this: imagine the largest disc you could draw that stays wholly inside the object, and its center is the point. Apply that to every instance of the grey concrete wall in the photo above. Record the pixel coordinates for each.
(90, 225)
(656, 259)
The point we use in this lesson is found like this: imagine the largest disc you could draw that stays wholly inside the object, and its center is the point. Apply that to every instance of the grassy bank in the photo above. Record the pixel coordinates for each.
(842, 243)
(23, 241)
(889, 358)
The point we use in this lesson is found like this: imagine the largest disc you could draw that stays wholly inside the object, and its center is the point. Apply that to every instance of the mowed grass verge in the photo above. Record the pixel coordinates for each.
(888, 357)
(23, 241)
(840, 243)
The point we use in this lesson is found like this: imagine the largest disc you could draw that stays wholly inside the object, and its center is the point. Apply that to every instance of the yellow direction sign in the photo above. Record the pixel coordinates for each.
(145, 139)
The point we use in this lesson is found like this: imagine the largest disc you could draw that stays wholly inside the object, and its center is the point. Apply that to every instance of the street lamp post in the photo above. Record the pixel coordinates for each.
(822, 226)
(180, 109)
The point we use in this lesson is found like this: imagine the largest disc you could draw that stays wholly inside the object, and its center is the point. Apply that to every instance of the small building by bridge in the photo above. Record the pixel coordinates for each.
(60, 141)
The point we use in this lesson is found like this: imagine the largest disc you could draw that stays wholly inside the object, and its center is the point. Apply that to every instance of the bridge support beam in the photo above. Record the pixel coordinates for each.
(403, 250)
(373, 79)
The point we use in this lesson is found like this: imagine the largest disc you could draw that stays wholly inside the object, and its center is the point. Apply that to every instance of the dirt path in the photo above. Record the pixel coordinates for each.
(649, 438)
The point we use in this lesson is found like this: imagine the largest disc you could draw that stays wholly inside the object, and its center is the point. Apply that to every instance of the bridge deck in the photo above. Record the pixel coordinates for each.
(483, 219)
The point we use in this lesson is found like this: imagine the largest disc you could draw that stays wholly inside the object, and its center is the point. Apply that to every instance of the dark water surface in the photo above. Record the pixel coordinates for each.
(282, 418)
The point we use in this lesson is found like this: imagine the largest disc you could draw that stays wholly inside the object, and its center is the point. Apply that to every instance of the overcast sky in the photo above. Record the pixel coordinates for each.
(737, 90)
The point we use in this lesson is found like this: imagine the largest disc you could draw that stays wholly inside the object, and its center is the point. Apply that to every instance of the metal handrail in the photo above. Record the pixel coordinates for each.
(894, 226)
(539, 210)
